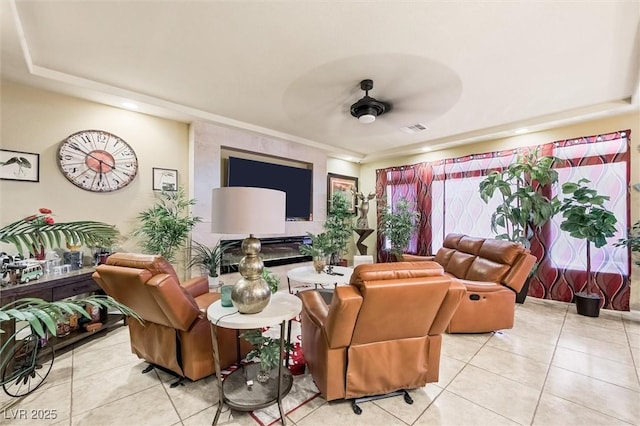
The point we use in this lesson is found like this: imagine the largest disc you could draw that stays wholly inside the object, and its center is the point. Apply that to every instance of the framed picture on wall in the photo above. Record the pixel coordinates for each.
(165, 179)
(347, 185)
(18, 165)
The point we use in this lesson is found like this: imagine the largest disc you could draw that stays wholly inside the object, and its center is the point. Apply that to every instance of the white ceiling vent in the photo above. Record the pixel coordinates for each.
(415, 128)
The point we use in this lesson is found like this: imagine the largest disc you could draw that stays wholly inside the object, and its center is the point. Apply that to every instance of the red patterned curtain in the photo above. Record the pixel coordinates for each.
(446, 194)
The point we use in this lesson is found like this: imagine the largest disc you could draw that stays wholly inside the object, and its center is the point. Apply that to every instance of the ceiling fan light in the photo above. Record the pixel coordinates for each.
(367, 118)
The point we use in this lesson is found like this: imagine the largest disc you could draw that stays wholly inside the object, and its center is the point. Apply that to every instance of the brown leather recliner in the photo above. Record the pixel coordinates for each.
(381, 333)
(492, 271)
(176, 333)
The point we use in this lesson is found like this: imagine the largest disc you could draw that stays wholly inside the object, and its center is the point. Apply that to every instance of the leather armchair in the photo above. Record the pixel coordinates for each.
(381, 333)
(176, 334)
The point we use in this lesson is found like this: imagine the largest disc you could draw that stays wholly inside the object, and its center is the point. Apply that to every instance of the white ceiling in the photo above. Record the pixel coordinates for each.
(467, 70)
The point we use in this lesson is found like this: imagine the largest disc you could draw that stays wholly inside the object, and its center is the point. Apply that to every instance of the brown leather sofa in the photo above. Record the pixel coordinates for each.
(176, 333)
(492, 271)
(381, 333)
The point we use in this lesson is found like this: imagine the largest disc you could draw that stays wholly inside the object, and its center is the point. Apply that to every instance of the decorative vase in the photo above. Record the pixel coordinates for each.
(319, 263)
(213, 283)
(250, 296)
(263, 376)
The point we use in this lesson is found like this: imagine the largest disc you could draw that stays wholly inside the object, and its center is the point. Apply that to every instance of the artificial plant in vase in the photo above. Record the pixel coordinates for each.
(165, 226)
(397, 224)
(585, 218)
(208, 259)
(267, 349)
(523, 206)
(320, 247)
(339, 226)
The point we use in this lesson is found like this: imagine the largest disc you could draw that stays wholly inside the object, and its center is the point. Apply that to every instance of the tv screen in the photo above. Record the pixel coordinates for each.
(294, 181)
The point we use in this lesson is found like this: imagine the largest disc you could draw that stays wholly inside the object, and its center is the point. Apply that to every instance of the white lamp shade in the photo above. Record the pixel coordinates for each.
(244, 210)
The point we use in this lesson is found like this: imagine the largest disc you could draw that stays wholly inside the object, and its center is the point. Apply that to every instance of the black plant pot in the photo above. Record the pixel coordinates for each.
(522, 294)
(588, 304)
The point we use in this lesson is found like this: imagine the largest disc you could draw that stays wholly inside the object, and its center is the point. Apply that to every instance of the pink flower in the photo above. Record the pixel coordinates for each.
(45, 210)
(48, 220)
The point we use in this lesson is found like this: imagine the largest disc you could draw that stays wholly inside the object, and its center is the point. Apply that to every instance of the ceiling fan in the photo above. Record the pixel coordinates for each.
(367, 109)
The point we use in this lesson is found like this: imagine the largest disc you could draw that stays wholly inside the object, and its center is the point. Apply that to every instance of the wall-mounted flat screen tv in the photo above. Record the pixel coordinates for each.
(296, 182)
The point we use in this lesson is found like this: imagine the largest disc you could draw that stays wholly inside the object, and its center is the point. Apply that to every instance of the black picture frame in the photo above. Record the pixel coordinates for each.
(19, 166)
(165, 179)
(343, 184)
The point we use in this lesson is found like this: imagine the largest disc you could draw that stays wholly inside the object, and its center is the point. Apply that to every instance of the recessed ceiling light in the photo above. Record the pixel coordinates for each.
(129, 105)
(520, 131)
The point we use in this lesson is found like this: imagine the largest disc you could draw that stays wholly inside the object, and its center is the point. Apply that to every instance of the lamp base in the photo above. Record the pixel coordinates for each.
(251, 294)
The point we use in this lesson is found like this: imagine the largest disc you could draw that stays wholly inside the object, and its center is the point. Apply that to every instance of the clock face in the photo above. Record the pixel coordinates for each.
(97, 161)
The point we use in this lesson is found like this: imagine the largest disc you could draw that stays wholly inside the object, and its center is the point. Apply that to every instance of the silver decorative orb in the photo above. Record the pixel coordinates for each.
(250, 296)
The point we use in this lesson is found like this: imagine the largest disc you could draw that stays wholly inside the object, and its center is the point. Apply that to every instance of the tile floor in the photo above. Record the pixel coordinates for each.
(553, 368)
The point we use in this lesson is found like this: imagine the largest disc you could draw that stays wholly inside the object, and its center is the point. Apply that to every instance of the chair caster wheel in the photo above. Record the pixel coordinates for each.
(407, 398)
(356, 409)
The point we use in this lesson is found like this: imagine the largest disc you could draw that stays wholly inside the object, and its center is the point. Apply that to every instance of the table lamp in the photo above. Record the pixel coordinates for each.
(243, 210)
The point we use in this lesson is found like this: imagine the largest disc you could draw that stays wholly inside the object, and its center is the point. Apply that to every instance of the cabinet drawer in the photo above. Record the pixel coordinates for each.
(74, 289)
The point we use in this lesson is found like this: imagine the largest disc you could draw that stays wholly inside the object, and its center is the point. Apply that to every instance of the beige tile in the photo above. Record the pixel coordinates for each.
(88, 363)
(612, 400)
(449, 368)
(340, 413)
(227, 418)
(93, 391)
(511, 366)
(539, 333)
(458, 347)
(103, 340)
(585, 344)
(149, 407)
(609, 320)
(635, 353)
(523, 346)
(596, 367)
(631, 322)
(193, 397)
(450, 409)
(496, 393)
(596, 332)
(301, 400)
(42, 407)
(408, 413)
(552, 408)
(634, 339)
(543, 308)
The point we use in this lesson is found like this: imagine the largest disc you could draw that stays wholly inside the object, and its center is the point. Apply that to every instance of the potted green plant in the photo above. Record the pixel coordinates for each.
(165, 226)
(632, 241)
(208, 259)
(523, 206)
(586, 218)
(267, 349)
(272, 280)
(338, 227)
(397, 224)
(320, 247)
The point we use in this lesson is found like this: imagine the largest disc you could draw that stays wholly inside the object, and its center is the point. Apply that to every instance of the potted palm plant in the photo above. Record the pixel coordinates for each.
(319, 249)
(339, 227)
(586, 218)
(208, 259)
(398, 224)
(523, 207)
(165, 227)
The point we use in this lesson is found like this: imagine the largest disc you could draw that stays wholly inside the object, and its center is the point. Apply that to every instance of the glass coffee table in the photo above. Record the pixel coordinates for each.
(240, 390)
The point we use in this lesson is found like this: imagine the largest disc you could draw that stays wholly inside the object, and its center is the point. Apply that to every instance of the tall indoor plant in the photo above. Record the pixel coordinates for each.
(586, 218)
(523, 207)
(398, 223)
(165, 226)
(339, 226)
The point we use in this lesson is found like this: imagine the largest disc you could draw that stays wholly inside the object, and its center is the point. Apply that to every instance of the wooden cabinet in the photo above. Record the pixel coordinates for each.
(57, 287)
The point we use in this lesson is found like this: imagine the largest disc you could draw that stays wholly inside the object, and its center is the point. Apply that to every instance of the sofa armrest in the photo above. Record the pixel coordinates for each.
(449, 305)
(196, 286)
(314, 306)
(416, 258)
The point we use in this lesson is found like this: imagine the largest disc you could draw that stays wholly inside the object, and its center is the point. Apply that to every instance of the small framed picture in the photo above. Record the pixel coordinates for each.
(17, 165)
(347, 185)
(165, 179)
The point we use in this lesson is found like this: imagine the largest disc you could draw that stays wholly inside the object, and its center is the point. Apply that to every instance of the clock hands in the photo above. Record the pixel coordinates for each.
(101, 162)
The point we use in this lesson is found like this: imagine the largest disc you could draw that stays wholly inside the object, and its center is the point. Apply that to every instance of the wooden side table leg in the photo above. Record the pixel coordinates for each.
(216, 359)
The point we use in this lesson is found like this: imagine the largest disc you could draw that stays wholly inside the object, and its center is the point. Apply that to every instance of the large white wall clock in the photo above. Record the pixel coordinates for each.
(97, 161)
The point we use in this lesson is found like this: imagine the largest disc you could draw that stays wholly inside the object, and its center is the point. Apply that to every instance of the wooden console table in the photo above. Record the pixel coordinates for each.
(57, 287)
